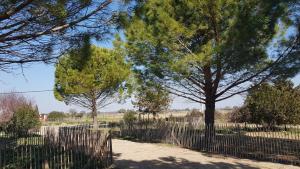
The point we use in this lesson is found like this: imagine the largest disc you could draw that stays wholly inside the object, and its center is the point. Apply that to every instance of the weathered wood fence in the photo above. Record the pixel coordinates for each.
(56, 148)
(276, 144)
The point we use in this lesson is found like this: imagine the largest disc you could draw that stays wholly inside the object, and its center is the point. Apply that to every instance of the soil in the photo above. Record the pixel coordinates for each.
(134, 155)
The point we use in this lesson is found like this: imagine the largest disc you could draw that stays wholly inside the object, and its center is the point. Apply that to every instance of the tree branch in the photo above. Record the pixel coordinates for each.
(14, 10)
(269, 66)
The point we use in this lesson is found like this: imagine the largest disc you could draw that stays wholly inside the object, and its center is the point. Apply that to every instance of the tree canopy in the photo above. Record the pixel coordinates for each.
(42, 30)
(18, 114)
(24, 118)
(91, 79)
(152, 99)
(9, 103)
(274, 104)
(207, 51)
(56, 116)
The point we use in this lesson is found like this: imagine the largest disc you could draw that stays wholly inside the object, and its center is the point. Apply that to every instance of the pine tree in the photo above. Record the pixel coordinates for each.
(207, 51)
(91, 77)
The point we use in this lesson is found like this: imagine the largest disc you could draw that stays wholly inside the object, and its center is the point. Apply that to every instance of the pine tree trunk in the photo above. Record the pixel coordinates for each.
(95, 122)
(210, 112)
(209, 122)
(94, 114)
(210, 101)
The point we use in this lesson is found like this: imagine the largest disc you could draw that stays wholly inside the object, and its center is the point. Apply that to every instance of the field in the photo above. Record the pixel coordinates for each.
(110, 117)
(278, 144)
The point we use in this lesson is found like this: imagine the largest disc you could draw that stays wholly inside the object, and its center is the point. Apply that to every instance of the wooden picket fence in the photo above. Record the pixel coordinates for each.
(76, 147)
(277, 144)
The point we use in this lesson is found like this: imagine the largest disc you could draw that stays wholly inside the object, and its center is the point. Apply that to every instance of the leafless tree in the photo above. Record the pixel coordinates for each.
(9, 103)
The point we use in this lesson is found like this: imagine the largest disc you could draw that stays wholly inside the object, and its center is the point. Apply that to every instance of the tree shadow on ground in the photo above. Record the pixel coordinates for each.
(171, 162)
(137, 140)
(279, 150)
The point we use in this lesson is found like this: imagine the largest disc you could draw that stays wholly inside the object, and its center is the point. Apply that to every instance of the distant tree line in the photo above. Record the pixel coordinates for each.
(60, 115)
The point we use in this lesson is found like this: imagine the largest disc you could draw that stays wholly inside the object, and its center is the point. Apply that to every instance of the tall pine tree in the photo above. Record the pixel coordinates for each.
(207, 51)
(91, 77)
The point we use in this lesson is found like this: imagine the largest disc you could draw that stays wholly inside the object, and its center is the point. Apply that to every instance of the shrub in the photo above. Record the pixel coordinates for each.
(195, 113)
(221, 117)
(129, 118)
(194, 116)
(152, 99)
(122, 111)
(56, 116)
(8, 105)
(24, 118)
(240, 115)
(79, 115)
(271, 104)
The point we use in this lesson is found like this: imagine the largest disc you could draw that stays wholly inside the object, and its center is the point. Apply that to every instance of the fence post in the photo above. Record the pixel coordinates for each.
(240, 144)
(46, 164)
(110, 148)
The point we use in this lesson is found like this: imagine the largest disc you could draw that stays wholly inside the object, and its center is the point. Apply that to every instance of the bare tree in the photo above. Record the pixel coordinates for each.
(9, 103)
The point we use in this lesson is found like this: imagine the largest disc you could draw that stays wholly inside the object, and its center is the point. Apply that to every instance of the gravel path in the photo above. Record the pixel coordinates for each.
(133, 155)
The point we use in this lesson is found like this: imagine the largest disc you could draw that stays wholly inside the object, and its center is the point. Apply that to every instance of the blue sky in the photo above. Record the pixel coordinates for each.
(41, 77)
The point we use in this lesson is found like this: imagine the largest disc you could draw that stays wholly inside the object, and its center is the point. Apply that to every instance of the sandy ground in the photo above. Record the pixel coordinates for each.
(133, 155)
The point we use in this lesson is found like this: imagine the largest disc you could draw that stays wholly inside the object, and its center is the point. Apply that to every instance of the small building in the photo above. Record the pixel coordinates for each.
(43, 117)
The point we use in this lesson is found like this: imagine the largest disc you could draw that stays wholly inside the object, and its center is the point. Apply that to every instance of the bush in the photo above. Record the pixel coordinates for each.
(152, 99)
(79, 115)
(195, 113)
(271, 104)
(25, 118)
(8, 105)
(240, 115)
(129, 118)
(56, 116)
(194, 116)
(122, 111)
(221, 117)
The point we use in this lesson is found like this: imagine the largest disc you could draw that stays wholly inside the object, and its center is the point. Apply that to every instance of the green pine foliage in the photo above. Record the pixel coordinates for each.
(25, 117)
(207, 51)
(94, 83)
(152, 99)
(41, 30)
(274, 104)
(129, 118)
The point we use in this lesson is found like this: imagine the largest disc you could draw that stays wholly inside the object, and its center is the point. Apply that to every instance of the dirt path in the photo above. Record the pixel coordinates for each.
(132, 155)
